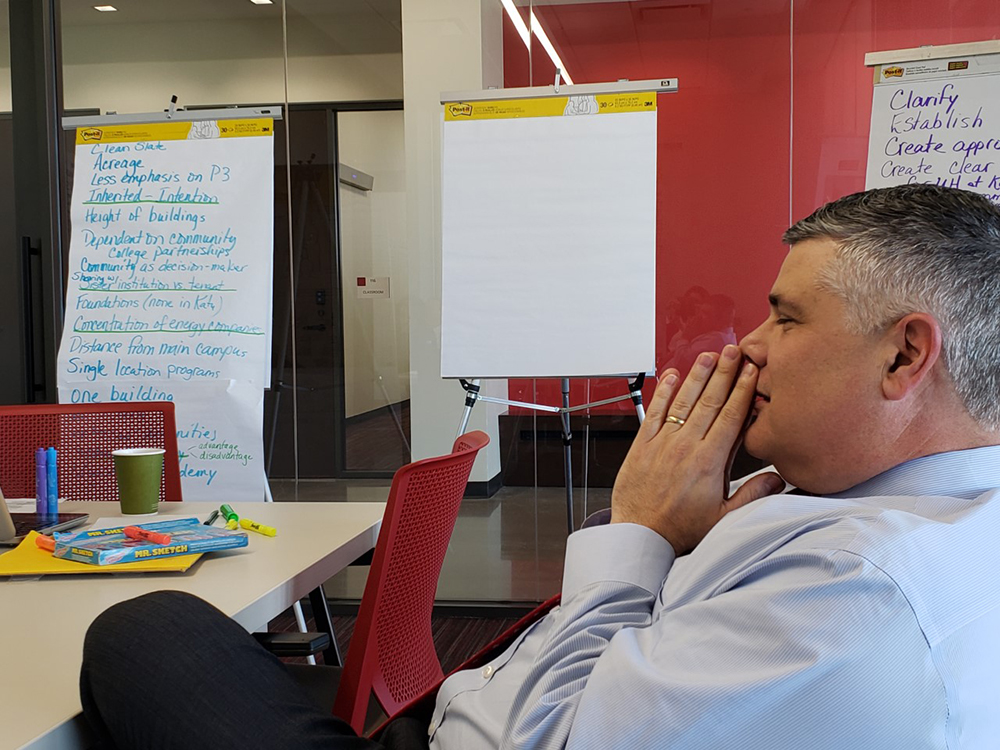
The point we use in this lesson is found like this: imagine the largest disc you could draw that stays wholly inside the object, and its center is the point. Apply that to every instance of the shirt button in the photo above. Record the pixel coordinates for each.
(487, 671)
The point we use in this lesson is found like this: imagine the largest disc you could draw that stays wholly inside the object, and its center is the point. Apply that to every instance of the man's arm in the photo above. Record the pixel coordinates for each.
(604, 591)
(812, 649)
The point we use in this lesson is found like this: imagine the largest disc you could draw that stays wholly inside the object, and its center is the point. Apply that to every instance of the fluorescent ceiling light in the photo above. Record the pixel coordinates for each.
(262, 2)
(105, 8)
(515, 17)
(536, 28)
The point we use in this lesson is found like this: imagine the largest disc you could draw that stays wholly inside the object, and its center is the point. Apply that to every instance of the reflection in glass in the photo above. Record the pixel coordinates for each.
(375, 290)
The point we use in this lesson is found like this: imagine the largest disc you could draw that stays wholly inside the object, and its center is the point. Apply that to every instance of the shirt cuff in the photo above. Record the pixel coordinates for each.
(621, 552)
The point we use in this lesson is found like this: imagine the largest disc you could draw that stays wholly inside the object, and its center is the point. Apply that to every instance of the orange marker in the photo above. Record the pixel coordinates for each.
(134, 532)
(46, 543)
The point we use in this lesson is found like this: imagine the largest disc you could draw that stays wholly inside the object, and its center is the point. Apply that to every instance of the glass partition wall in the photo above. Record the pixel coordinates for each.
(10, 304)
(770, 121)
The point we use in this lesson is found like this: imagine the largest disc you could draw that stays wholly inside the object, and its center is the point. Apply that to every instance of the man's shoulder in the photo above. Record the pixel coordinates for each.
(874, 525)
(938, 550)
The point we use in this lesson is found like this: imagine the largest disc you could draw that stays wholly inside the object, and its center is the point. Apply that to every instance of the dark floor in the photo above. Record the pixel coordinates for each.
(508, 548)
(379, 440)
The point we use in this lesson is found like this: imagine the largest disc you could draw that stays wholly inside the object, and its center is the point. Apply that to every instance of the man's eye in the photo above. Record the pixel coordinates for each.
(783, 321)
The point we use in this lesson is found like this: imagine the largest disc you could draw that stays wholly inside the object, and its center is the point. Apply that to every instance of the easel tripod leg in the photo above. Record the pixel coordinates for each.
(567, 437)
(471, 396)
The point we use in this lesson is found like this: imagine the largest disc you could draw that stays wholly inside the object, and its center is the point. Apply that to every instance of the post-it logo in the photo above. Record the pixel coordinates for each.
(92, 134)
(460, 110)
(893, 72)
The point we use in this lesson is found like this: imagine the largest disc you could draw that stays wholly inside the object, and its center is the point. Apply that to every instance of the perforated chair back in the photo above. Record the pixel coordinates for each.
(84, 436)
(392, 652)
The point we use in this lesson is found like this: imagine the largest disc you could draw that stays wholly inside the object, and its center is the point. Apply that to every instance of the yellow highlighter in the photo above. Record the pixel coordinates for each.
(260, 528)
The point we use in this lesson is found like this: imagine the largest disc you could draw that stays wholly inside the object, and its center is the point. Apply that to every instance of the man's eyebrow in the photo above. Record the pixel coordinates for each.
(778, 302)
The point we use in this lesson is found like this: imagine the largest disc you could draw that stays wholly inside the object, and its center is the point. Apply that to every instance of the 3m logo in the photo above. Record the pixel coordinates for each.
(92, 134)
(460, 110)
(894, 72)
(958, 65)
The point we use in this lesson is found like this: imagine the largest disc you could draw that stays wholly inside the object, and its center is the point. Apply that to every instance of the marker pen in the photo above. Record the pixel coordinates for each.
(41, 483)
(46, 543)
(52, 483)
(135, 532)
(260, 528)
(229, 514)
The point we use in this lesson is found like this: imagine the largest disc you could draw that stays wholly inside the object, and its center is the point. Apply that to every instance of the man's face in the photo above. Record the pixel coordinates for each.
(819, 399)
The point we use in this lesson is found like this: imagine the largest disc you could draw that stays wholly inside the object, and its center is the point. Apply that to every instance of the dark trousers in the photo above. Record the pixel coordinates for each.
(168, 670)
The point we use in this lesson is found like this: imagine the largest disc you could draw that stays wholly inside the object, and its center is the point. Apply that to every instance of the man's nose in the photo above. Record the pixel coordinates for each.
(754, 346)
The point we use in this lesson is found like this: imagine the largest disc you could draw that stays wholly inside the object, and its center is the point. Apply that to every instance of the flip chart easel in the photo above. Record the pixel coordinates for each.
(548, 226)
(473, 394)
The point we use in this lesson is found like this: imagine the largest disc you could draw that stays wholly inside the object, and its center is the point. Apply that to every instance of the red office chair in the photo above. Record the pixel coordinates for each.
(392, 652)
(422, 706)
(84, 436)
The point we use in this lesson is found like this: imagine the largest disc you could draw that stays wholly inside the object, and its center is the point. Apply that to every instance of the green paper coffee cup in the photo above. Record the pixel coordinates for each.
(139, 472)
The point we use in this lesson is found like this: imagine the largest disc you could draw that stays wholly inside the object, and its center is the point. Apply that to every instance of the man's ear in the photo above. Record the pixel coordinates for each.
(915, 346)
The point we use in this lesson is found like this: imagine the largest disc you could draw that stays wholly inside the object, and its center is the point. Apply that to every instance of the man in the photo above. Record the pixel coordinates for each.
(859, 612)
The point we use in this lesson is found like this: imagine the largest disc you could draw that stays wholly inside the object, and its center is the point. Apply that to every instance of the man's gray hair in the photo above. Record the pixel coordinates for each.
(921, 248)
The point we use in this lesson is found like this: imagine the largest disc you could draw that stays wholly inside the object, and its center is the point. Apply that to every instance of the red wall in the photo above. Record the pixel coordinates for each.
(767, 97)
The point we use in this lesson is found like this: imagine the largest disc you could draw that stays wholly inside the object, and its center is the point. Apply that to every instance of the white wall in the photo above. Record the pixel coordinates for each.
(313, 79)
(373, 243)
(443, 50)
(127, 68)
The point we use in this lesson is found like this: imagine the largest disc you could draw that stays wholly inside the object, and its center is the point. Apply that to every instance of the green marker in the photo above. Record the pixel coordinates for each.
(229, 514)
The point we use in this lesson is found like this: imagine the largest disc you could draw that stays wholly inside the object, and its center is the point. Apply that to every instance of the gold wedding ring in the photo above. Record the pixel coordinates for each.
(675, 420)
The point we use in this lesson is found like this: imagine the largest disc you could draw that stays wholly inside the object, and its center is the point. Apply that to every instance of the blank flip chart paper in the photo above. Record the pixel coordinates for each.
(548, 236)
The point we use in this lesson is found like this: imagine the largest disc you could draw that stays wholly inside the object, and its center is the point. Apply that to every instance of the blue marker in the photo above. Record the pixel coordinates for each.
(41, 483)
(52, 485)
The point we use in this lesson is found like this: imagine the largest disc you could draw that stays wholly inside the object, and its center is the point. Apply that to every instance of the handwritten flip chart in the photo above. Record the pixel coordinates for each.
(169, 287)
(937, 121)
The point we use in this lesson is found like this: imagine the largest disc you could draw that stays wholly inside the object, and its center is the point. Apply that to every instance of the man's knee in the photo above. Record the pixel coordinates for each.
(145, 619)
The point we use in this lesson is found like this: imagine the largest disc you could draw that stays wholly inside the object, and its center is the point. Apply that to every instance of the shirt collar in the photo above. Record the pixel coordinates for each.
(965, 474)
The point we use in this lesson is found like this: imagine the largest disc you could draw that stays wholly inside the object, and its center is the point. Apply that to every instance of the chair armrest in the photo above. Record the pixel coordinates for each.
(293, 644)
(598, 518)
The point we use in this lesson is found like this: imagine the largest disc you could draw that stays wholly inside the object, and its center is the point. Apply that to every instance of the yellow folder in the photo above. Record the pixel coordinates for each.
(27, 559)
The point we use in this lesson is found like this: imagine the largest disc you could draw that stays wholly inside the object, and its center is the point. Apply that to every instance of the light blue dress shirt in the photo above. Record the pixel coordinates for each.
(865, 620)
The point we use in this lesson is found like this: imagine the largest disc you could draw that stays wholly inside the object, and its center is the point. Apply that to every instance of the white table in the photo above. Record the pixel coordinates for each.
(43, 620)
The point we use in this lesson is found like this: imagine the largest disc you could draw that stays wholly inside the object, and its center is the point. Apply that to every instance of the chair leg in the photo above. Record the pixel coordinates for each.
(321, 614)
(300, 620)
